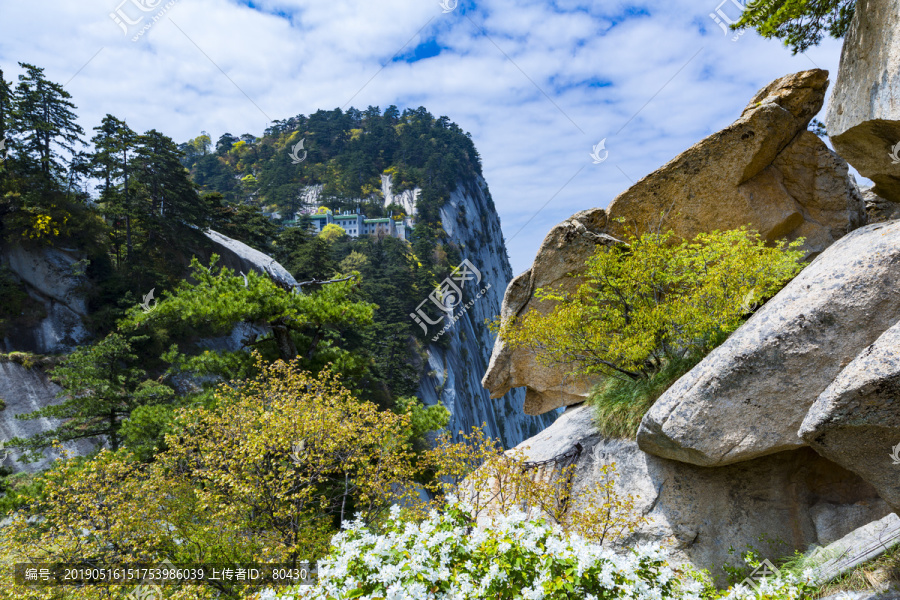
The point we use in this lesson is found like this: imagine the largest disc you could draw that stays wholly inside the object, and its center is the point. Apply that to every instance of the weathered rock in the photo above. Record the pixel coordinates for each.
(856, 421)
(563, 251)
(857, 547)
(54, 278)
(239, 257)
(749, 396)
(863, 118)
(25, 390)
(764, 170)
(704, 512)
(879, 210)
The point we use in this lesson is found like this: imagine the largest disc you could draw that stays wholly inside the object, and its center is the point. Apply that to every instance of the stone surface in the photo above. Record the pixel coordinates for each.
(703, 512)
(54, 279)
(863, 119)
(764, 170)
(879, 210)
(856, 421)
(860, 545)
(239, 257)
(749, 396)
(453, 374)
(23, 391)
(563, 251)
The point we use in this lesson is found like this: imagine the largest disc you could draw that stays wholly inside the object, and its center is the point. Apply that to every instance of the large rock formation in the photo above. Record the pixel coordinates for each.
(863, 118)
(748, 397)
(879, 210)
(55, 281)
(764, 170)
(796, 498)
(239, 257)
(856, 421)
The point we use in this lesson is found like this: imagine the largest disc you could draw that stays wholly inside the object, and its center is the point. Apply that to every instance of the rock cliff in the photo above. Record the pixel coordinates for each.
(789, 429)
(454, 375)
(863, 119)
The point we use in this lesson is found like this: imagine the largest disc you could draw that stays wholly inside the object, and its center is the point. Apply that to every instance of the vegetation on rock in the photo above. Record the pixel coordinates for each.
(801, 24)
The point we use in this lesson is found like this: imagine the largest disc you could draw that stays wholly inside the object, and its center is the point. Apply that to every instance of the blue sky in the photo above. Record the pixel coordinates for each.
(537, 83)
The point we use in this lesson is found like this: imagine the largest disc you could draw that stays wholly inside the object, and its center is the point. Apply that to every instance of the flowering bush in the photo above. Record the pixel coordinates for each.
(444, 557)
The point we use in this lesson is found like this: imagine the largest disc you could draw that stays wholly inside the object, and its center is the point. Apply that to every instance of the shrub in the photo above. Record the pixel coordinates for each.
(515, 558)
(652, 300)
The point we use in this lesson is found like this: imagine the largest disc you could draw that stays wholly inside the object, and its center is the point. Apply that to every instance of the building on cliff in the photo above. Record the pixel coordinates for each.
(357, 224)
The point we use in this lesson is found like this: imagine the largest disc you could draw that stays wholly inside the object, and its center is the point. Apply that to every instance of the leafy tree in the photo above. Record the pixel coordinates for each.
(265, 475)
(649, 301)
(332, 232)
(102, 384)
(799, 23)
(310, 325)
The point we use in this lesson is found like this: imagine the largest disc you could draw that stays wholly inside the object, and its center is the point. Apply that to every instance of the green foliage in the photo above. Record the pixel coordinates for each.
(800, 24)
(422, 419)
(652, 300)
(145, 430)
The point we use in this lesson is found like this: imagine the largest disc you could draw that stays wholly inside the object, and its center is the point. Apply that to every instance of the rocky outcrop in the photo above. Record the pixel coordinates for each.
(55, 281)
(764, 170)
(863, 118)
(879, 210)
(749, 396)
(239, 257)
(24, 390)
(563, 251)
(797, 497)
(856, 420)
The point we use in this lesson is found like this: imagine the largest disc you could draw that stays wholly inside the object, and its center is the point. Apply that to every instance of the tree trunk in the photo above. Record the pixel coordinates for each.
(286, 349)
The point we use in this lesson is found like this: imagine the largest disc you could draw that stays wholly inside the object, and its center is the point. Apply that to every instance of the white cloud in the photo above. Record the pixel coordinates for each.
(599, 63)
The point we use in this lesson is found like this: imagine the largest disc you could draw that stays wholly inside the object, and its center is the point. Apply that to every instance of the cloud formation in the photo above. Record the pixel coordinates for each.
(538, 83)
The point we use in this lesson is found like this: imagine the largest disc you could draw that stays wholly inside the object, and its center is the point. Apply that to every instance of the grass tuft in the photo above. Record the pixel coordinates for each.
(620, 404)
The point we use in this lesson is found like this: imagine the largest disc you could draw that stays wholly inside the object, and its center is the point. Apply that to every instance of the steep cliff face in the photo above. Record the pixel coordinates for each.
(453, 376)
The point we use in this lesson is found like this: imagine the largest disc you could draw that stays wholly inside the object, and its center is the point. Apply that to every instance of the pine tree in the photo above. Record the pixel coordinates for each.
(109, 160)
(799, 23)
(159, 169)
(45, 118)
